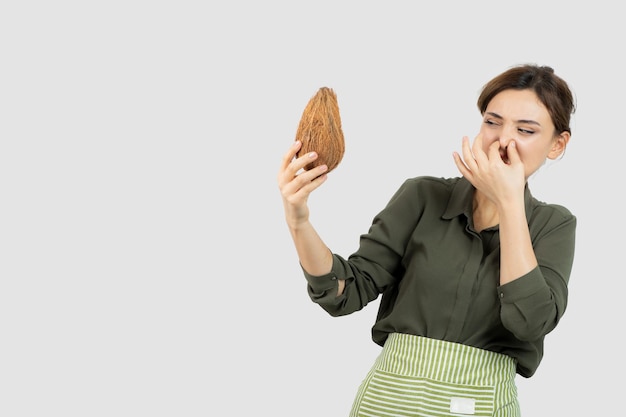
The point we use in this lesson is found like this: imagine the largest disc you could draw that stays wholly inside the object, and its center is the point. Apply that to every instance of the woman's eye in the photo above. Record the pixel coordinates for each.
(526, 131)
(489, 122)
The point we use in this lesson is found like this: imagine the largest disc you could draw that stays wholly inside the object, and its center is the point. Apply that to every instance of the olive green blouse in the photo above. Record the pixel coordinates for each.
(439, 278)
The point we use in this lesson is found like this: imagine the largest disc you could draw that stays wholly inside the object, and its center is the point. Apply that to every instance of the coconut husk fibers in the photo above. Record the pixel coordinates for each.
(320, 130)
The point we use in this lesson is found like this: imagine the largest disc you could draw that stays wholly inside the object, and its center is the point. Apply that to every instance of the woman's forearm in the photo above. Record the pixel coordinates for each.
(314, 255)
(517, 256)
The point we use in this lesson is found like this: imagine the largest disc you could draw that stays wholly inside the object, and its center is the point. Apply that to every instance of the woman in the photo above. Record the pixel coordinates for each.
(473, 270)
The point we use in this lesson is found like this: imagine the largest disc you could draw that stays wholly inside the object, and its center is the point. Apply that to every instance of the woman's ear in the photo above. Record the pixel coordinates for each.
(559, 145)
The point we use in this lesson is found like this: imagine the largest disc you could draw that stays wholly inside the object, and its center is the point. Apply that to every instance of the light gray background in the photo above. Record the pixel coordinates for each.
(145, 268)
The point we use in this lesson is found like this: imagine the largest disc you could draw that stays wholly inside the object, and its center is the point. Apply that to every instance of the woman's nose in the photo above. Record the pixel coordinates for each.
(506, 135)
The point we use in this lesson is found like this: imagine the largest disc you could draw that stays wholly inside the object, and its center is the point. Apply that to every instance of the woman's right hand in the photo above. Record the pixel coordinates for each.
(296, 184)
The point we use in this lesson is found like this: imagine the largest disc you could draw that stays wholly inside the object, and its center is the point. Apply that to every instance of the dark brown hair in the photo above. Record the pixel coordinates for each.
(551, 89)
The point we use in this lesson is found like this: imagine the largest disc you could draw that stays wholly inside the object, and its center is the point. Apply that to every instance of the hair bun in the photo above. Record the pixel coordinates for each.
(320, 130)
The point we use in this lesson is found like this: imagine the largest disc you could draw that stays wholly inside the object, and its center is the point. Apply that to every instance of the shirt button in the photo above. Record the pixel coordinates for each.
(333, 278)
(501, 295)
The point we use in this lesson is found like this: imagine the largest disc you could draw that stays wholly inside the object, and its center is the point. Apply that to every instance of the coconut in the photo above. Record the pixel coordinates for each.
(319, 130)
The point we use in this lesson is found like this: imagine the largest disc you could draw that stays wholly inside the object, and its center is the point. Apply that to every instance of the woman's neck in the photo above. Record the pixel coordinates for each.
(484, 213)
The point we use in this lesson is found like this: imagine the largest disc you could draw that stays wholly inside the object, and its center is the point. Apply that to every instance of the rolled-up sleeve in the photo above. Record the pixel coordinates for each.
(323, 289)
(374, 266)
(532, 305)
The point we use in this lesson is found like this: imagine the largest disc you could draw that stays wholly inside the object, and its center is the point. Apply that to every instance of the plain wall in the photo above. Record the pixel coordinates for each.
(145, 266)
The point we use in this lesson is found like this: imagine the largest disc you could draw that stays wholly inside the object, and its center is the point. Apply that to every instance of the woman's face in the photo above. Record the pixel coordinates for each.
(519, 115)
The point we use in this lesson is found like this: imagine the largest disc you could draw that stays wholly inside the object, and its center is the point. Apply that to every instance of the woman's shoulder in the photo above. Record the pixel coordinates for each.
(431, 181)
(549, 211)
(427, 184)
(426, 188)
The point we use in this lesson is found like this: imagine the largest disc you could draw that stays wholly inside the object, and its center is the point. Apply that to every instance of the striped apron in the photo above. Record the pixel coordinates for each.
(416, 376)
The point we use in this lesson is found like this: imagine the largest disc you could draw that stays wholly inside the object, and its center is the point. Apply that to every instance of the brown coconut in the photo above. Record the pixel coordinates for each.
(320, 130)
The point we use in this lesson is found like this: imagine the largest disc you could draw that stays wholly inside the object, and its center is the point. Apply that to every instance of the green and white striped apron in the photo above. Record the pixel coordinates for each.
(416, 376)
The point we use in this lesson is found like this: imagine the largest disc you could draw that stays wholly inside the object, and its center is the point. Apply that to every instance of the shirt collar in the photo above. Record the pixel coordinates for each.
(461, 200)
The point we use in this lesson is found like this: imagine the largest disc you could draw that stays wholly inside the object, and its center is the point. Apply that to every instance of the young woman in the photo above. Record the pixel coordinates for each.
(473, 270)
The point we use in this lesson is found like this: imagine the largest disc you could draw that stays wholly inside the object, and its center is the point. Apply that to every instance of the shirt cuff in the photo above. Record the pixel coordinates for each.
(523, 287)
(320, 284)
